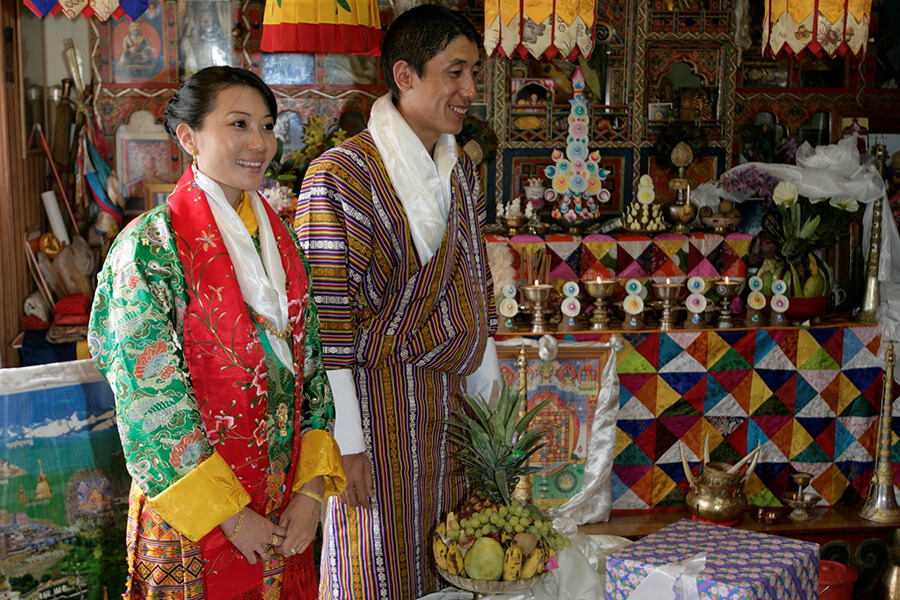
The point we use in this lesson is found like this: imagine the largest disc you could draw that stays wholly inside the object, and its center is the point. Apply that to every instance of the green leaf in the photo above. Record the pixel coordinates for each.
(522, 425)
(343, 4)
(810, 227)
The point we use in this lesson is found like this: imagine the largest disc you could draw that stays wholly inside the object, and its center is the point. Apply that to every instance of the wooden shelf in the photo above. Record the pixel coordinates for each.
(836, 522)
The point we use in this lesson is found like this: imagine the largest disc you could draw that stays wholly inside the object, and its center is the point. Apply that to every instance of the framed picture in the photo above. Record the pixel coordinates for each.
(142, 154)
(533, 93)
(155, 194)
(289, 69)
(138, 49)
(843, 125)
(204, 35)
(764, 73)
(660, 111)
(702, 169)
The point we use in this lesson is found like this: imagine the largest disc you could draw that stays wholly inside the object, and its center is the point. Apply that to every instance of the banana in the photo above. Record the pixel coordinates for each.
(455, 563)
(440, 553)
(530, 567)
(813, 263)
(440, 530)
(512, 562)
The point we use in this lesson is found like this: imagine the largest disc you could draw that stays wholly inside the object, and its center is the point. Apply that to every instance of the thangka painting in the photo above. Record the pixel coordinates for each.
(63, 485)
(572, 386)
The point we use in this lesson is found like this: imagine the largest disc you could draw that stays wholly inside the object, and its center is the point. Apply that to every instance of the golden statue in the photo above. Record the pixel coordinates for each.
(23, 497)
(42, 489)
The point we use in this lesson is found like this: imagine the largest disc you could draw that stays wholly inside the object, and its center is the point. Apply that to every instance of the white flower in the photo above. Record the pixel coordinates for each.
(845, 203)
(785, 193)
(816, 200)
(279, 197)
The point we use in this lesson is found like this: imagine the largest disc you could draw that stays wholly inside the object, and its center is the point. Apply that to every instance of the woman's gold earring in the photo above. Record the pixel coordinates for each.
(194, 155)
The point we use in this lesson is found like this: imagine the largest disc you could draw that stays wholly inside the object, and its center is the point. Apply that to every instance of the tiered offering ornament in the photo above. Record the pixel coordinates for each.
(508, 308)
(570, 307)
(696, 306)
(756, 302)
(576, 177)
(645, 215)
(633, 305)
(779, 303)
(493, 537)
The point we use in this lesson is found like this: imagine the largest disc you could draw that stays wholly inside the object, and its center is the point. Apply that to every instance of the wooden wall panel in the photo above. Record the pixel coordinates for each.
(21, 181)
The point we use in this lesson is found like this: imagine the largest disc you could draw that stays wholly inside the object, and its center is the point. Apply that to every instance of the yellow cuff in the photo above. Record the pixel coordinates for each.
(202, 499)
(320, 455)
(81, 350)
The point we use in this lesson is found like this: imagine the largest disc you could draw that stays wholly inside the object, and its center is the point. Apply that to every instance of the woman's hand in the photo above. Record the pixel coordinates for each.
(256, 537)
(300, 518)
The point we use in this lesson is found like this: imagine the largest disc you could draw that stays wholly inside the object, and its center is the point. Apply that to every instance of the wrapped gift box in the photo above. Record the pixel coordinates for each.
(739, 564)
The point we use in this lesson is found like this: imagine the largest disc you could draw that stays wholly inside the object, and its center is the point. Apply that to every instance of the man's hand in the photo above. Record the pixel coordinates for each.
(359, 488)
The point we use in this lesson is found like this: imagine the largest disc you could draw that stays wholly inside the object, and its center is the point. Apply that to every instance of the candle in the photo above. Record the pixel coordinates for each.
(726, 280)
(536, 282)
(667, 281)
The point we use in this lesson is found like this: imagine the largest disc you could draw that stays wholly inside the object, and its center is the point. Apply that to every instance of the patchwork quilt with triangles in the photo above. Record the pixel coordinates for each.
(635, 256)
(810, 397)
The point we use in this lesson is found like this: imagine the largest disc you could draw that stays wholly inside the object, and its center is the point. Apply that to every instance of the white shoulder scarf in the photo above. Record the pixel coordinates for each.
(422, 183)
(262, 281)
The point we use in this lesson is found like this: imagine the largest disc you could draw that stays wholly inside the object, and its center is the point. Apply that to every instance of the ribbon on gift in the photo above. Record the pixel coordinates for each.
(660, 583)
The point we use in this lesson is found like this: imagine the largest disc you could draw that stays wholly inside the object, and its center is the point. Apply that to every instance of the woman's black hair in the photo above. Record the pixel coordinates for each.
(195, 99)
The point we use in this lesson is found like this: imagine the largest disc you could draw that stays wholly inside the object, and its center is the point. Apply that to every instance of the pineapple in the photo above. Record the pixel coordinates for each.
(495, 447)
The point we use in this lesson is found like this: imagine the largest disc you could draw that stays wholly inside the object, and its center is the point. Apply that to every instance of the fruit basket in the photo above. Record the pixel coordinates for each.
(491, 587)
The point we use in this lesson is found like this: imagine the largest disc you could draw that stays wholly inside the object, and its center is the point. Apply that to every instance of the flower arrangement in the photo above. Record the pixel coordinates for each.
(799, 227)
(749, 182)
(285, 173)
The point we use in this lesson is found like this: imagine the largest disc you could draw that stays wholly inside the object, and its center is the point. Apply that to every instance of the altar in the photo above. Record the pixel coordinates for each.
(810, 396)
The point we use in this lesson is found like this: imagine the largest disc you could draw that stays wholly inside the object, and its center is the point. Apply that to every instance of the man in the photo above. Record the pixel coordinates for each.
(392, 224)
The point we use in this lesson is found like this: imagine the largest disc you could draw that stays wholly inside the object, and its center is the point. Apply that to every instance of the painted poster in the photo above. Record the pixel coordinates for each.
(63, 485)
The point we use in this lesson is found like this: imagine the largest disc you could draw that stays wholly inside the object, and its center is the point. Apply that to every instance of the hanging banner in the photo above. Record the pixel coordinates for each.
(63, 484)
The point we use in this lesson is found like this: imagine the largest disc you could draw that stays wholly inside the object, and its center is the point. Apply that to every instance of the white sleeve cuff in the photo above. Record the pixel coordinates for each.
(486, 381)
(348, 430)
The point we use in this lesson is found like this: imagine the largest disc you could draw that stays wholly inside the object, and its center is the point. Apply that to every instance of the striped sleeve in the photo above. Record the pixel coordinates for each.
(333, 225)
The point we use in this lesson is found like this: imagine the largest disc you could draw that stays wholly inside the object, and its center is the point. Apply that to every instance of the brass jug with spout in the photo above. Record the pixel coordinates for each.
(718, 494)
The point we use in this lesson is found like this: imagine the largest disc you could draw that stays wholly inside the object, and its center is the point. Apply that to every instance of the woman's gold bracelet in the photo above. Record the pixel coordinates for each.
(314, 495)
(237, 527)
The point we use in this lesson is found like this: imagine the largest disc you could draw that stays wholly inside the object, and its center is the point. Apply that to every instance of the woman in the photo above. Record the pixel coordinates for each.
(203, 325)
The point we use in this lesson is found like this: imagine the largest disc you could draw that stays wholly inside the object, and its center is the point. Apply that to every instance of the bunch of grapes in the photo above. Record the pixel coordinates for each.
(511, 519)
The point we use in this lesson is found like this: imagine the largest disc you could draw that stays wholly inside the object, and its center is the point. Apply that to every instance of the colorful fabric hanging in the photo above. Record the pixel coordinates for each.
(102, 9)
(824, 27)
(322, 26)
(42, 8)
(540, 28)
(133, 8)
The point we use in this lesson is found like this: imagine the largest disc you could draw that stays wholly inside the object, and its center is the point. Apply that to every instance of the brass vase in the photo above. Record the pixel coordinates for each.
(718, 494)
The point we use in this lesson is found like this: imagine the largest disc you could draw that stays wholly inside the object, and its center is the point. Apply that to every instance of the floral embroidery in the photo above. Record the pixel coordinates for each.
(260, 381)
(217, 291)
(207, 240)
(259, 434)
(189, 450)
(222, 424)
(153, 362)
